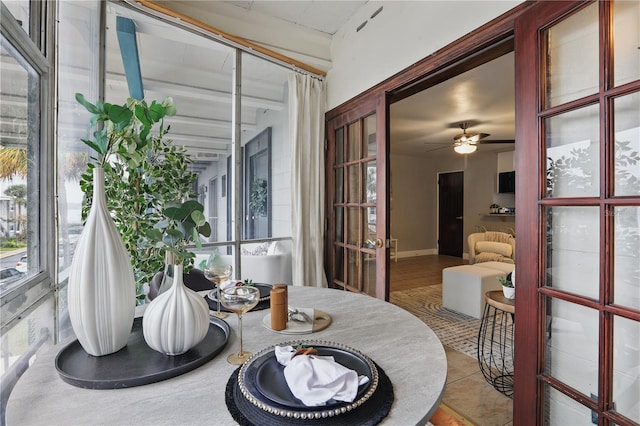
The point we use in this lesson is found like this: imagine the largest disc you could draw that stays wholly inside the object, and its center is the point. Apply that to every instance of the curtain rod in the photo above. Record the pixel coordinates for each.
(209, 31)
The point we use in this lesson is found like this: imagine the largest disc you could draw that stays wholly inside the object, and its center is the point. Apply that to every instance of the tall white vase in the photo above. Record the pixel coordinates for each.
(176, 320)
(101, 291)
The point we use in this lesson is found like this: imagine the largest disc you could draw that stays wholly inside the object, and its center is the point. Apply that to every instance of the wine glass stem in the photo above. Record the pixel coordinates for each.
(218, 300)
(240, 327)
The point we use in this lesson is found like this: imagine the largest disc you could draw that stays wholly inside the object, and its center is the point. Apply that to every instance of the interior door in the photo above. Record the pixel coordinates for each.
(357, 234)
(578, 292)
(450, 213)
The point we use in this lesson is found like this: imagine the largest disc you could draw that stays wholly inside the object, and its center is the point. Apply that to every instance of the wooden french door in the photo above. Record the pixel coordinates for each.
(356, 175)
(577, 336)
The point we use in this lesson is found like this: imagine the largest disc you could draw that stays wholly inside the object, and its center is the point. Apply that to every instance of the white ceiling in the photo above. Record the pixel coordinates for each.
(320, 15)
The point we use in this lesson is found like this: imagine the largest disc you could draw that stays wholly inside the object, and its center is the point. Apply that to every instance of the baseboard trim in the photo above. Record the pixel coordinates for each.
(416, 253)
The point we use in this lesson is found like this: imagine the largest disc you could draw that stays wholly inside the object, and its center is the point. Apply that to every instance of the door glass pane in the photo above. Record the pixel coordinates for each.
(573, 156)
(572, 60)
(573, 254)
(353, 141)
(371, 225)
(353, 226)
(370, 183)
(369, 274)
(352, 269)
(339, 224)
(562, 410)
(339, 185)
(370, 126)
(626, 33)
(571, 347)
(626, 261)
(353, 184)
(626, 368)
(340, 146)
(627, 144)
(339, 266)
(19, 160)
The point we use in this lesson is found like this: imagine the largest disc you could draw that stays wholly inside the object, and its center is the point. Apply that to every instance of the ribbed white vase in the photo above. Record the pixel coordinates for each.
(176, 320)
(101, 291)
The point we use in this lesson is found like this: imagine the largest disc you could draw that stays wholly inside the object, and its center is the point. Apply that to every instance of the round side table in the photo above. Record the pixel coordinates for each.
(495, 342)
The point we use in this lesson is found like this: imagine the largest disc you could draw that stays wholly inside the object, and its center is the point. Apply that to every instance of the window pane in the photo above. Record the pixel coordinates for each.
(571, 348)
(353, 226)
(369, 274)
(267, 150)
(626, 368)
(572, 60)
(370, 186)
(353, 141)
(353, 184)
(19, 155)
(34, 330)
(626, 33)
(339, 196)
(353, 259)
(627, 144)
(562, 410)
(339, 224)
(573, 145)
(340, 145)
(78, 72)
(370, 125)
(573, 254)
(626, 261)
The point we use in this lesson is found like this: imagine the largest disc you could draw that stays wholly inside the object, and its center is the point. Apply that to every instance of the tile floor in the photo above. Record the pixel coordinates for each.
(474, 401)
(468, 393)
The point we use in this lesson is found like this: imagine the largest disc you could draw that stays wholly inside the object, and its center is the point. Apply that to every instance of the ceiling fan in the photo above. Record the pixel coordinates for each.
(466, 142)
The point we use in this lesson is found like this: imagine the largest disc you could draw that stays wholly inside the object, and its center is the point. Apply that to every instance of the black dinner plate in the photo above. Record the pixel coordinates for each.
(263, 384)
(270, 380)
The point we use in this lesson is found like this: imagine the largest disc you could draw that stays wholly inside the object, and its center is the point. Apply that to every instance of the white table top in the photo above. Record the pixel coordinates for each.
(402, 345)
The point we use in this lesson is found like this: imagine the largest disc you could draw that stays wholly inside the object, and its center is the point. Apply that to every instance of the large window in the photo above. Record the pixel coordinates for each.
(25, 185)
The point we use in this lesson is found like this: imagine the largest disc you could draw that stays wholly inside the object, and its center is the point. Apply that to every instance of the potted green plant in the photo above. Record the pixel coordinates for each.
(494, 208)
(146, 175)
(508, 288)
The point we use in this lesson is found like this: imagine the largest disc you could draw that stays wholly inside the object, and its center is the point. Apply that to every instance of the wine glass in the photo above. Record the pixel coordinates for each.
(239, 299)
(218, 271)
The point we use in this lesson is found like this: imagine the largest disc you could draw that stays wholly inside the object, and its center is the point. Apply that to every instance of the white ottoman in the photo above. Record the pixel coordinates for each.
(464, 287)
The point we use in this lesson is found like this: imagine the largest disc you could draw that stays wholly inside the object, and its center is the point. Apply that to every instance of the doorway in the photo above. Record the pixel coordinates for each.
(450, 213)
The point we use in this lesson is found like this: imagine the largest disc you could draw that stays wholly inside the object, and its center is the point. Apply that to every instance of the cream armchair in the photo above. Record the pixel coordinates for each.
(491, 246)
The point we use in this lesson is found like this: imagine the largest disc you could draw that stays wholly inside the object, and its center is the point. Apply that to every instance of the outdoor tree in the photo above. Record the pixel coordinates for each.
(18, 193)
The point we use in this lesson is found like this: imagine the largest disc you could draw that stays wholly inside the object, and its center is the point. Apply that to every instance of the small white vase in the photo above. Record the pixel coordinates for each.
(509, 292)
(101, 290)
(176, 320)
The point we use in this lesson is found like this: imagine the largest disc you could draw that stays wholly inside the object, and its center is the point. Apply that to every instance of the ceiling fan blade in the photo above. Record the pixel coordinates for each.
(496, 141)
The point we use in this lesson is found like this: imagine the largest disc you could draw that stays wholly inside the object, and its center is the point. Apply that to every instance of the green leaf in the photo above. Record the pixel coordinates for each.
(198, 218)
(88, 105)
(156, 112)
(170, 106)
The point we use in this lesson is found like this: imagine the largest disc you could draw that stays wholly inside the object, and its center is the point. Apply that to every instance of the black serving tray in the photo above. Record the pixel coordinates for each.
(136, 364)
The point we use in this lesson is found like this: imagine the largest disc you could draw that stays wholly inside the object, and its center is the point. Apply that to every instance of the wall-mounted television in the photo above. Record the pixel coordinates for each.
(507, 182)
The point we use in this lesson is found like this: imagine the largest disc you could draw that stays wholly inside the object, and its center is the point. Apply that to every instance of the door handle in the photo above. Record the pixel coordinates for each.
(379, 243)
(459, 217)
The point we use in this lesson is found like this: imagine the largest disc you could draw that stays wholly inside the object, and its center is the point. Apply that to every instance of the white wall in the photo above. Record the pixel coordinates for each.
(402, 34)
(415, 193)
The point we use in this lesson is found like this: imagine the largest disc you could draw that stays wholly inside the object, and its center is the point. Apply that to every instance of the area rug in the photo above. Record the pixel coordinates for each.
(455, 330)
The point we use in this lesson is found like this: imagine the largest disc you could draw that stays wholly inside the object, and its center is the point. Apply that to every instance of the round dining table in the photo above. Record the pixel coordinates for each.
(404, 347)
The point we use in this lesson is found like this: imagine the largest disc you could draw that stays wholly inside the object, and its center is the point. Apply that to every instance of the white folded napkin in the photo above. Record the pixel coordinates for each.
(314, 380)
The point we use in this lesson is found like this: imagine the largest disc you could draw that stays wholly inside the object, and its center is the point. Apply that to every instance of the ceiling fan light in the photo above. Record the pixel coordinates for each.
(465, 148)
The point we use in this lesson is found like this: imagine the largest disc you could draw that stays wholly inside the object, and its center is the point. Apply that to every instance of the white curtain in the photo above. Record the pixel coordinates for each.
(306, 129)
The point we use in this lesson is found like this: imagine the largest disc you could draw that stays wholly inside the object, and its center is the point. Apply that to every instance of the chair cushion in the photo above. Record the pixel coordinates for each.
(503, 249)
